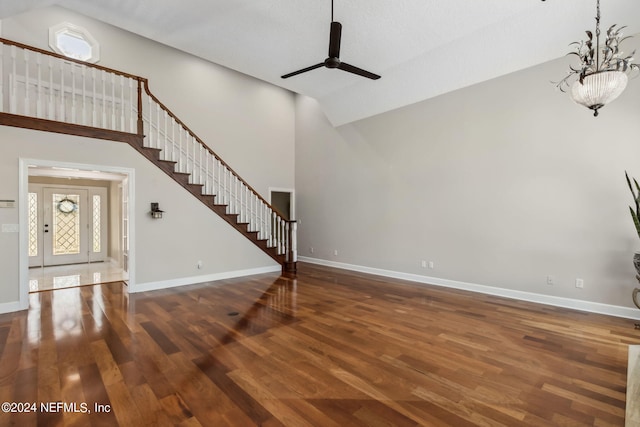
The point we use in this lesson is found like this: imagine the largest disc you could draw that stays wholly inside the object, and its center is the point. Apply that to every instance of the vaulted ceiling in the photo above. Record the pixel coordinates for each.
(422, 48)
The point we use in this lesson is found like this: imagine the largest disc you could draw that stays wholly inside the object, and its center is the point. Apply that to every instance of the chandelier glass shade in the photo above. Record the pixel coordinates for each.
(598, 89)
(602, 74)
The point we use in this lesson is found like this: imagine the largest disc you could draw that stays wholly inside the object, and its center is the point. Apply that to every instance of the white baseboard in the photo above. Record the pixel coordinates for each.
(592, 307)
(172, 283)
(10, 307)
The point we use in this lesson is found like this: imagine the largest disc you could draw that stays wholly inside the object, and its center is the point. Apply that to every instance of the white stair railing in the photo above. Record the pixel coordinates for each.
(179, 144)
(43, 85)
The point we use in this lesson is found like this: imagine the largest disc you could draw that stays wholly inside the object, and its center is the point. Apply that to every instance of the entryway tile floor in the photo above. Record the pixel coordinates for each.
(68, 276)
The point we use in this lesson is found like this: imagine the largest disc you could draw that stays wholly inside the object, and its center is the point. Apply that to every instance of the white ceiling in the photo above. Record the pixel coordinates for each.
(421, 48)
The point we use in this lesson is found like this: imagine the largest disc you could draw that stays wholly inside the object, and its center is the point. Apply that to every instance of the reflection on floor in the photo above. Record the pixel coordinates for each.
(633, 387)
(67, 276)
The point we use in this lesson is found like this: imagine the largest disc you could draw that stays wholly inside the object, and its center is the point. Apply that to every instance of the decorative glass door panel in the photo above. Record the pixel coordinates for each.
(65, 226)
(34, 222)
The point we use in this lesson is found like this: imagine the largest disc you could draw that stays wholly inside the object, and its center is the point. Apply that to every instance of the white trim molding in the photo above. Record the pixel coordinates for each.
(574, 304)
(10, 307)
(23, 189)
(291, 191)
(183, 281)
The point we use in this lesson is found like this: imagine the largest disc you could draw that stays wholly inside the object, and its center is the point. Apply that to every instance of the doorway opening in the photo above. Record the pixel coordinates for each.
(283, 201)
(76, 228)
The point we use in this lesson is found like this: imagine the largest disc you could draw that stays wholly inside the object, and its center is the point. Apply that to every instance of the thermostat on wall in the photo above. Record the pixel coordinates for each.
(7, 203)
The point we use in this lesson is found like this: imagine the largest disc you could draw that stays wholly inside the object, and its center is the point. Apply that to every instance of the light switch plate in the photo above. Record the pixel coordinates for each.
(10, 228)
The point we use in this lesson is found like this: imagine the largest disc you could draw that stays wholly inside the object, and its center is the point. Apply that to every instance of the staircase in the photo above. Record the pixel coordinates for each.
(45, 91)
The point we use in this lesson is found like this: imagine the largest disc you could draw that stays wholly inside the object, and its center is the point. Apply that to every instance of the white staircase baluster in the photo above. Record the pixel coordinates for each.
(234, 199)
(236, 190)
(227, 192)
(200, 165)
(191, 146)
(161, 129)
(242, 215)
(206, 172)
(39, 113)
(212, 173)
(280, 234)
(51, 109)
(73, 93)
(94, 114)
(84, 96)
(122, 112)
(104, 100)
(113, 102)
(150, 127)
(12, 82)
(165, 126)
(227, 186)
(63, 109)
(223, 189)
(217, 181)
(183, 161)
(294, 242)
(158, 125)
(27, 103)
(261, 219)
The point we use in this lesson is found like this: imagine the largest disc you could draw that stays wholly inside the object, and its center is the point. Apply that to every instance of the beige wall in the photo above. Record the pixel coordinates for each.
(499, 184)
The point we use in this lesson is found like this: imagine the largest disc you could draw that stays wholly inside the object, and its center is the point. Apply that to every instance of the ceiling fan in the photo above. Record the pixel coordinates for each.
(333, 61)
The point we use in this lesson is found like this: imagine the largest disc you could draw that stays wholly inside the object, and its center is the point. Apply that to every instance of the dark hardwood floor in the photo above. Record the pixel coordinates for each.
(327, 348)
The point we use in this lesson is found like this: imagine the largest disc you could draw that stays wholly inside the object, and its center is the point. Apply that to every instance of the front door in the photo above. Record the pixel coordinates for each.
(65, 226)
(68, 225)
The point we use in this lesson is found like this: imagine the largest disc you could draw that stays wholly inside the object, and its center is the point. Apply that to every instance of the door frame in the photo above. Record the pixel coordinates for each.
(292, 192)
(23, 191)
(105, 226)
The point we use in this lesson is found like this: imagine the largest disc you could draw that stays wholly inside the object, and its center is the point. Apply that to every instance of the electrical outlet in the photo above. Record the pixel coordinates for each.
(199, 265)
(424, 264)
(550, 280)
(579, 283)
(311, 249)
(335, 252)
(431, 265)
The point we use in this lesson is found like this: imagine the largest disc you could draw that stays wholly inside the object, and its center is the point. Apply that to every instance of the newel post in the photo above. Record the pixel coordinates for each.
(292, 247)
(140, 121)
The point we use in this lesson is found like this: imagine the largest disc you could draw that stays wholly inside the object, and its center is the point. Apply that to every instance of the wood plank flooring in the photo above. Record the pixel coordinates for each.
(326, 348)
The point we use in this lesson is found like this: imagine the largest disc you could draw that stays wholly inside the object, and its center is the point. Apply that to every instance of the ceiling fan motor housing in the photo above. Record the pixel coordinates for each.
(332, 62)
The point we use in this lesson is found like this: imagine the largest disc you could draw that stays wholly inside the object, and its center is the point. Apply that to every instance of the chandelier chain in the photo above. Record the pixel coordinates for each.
(597, 34)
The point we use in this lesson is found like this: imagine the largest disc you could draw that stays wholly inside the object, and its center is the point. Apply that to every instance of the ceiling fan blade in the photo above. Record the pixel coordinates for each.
(304, 70)
(359, 71)
(334, 40)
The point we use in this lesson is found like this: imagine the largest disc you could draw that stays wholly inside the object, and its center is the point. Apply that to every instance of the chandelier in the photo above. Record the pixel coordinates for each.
(602, 74)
